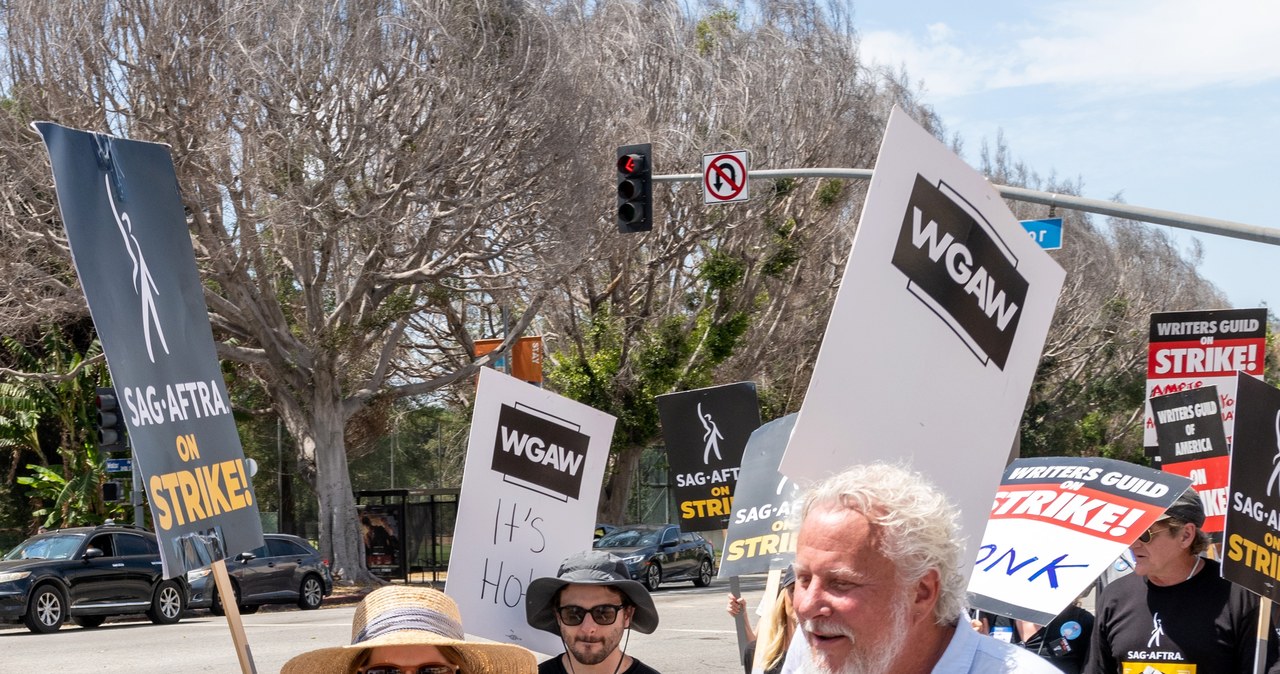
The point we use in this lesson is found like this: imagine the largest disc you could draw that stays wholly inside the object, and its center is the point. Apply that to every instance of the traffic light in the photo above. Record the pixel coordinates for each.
(635, 188)
(112, 436)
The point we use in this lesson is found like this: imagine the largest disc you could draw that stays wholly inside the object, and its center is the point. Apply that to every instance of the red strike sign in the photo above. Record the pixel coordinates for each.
(1220, 358)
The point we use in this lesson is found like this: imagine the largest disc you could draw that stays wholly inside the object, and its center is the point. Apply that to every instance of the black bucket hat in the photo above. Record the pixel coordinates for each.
(589, 568)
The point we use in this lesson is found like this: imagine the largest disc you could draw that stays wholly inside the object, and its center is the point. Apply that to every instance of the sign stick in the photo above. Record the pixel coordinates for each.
(740, 620)
(1264, 626)
(223, 581)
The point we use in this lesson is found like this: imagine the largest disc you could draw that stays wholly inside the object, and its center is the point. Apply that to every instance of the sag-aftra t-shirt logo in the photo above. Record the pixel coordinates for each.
(961, 269)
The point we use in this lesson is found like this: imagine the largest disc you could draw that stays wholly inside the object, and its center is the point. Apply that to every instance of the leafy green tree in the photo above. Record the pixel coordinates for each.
(61, 401)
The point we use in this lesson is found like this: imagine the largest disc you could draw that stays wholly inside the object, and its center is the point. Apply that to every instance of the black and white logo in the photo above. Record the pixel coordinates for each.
(143, 284)
(540, 451)
(961, 269)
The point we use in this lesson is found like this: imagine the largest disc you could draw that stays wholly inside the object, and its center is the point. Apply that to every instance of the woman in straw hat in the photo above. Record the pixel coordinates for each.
(411, 630)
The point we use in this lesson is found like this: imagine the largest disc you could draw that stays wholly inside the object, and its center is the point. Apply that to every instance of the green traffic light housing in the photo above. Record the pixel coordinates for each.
(635, 188)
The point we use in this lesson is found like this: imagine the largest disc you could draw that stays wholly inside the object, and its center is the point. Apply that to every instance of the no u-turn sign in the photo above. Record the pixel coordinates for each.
(724, 177)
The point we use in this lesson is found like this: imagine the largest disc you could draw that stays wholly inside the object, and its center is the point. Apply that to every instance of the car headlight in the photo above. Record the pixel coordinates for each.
(193, 576)
(16, 575)
(633, 559)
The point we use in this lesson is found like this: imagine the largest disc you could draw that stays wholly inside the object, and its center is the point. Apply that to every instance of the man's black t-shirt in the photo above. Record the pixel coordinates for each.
(556, 666)
(1204, 625)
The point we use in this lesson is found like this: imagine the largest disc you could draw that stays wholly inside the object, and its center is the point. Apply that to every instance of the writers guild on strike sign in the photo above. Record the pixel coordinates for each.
(959, 267)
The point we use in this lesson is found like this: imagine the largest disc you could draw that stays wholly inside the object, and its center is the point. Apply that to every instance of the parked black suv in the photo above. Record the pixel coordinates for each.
(87, 574)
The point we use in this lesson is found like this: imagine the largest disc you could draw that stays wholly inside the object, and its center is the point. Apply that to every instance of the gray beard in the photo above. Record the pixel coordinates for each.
(869, 658)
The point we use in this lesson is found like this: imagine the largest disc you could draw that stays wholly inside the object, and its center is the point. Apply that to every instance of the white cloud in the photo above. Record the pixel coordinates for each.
(1133, 46)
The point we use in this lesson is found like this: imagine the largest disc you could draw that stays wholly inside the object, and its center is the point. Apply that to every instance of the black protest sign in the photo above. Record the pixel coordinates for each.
(705, 432)
(1251, 550)
(537, 448)
(132, 250)
(762, 532)
(936, 217)
(1189, 426)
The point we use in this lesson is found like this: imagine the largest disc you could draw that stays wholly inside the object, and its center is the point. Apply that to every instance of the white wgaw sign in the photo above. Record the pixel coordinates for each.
(535, 463)
(935, 334)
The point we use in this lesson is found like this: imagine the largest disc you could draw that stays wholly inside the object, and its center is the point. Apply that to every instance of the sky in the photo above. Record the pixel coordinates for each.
(1169, 104)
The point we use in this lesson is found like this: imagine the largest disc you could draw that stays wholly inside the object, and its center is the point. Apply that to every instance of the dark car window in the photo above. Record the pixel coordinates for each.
(131, 544)
(58, 546)
(688, 538)
(103, 543)
(629, 538)
(284, 548)
(259, 552)
(670, 536)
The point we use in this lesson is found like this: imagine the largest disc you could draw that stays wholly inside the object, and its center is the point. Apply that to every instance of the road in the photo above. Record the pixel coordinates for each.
(695, 635)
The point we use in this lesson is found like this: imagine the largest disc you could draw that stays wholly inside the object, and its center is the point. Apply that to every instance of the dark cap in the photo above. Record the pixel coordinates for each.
(1188, 508)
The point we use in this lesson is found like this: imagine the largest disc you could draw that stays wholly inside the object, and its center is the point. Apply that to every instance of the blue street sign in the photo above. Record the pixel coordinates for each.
(124, 465)
(1047, 232)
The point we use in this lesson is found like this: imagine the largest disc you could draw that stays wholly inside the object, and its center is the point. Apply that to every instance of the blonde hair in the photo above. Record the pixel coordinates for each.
(783, 623)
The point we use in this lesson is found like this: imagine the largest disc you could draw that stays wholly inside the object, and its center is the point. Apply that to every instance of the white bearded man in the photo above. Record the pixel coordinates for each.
(879, 587)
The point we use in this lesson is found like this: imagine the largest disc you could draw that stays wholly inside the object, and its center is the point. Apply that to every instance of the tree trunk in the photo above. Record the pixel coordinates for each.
(617, 489)
(339, 522)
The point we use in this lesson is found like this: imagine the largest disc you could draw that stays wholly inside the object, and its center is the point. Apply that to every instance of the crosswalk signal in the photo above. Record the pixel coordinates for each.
(635, 188)
(111, 429)
(112, 491)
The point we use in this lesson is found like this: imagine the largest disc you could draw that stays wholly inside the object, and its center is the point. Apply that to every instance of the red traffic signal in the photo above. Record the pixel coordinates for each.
(635, 188)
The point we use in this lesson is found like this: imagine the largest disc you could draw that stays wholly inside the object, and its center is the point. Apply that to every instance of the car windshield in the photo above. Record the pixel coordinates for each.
(629, 538)
(58, 546)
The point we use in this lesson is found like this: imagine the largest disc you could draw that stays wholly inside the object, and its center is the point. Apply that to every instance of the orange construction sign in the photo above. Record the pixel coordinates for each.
(526, 357)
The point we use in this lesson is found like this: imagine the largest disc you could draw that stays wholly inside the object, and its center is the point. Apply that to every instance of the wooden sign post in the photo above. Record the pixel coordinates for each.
(227, 595)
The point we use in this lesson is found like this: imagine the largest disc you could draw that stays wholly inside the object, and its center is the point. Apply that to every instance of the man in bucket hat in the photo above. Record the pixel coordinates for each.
(411, 630)
(589, 604)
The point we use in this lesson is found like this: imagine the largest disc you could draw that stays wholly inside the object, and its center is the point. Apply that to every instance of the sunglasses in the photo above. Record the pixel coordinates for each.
(420, 669)
(603, 614)
(1145, 537)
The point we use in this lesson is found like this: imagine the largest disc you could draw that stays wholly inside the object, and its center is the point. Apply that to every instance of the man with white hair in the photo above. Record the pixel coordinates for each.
(879, 587)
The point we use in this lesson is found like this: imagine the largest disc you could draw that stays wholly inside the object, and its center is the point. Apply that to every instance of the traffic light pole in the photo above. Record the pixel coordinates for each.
(1195, 223)
(135, 496)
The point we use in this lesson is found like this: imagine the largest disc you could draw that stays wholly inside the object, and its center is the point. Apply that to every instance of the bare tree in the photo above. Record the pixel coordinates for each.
(716, 294)
(366, 181)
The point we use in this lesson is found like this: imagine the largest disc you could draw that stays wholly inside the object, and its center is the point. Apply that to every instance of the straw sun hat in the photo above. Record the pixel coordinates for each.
(398, 615)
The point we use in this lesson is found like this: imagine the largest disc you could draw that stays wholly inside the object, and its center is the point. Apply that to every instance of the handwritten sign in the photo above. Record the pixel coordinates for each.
(1193, 349)
(1056, 524)
(535, 463)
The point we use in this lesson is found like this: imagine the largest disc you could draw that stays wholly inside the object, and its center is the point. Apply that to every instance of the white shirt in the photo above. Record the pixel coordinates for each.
(967, 653)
